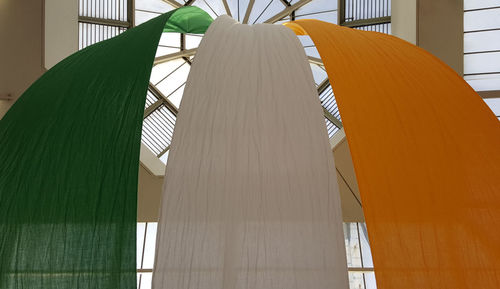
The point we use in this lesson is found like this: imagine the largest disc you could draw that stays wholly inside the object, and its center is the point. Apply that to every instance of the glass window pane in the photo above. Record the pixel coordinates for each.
(146, 280)
(351, 239)
(141, 227)
(482, 19)
(482, 62)
(149, 248)
(494, 104)
(365, 246)
(370, 280)
(482, 41)
(478, 4)
(484, 82)
(356, 280)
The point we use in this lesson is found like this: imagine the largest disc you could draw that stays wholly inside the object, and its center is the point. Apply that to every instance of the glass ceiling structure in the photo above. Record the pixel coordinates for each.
(176, 52)
(103, 19)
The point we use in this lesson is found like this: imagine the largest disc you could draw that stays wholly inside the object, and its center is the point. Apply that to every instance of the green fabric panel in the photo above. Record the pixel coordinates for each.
(188, 19)
(69, 155)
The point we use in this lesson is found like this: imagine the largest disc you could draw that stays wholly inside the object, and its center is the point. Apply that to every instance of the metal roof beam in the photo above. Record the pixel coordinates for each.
(315, 60)
(101, 21)
(367, 22)
(176, 55)
(173, 3)
(249, 10)
(332, 118)
(169, 105)
(226, 6)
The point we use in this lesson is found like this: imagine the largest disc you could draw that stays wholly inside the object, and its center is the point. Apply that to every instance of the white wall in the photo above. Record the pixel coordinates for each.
(61, 30)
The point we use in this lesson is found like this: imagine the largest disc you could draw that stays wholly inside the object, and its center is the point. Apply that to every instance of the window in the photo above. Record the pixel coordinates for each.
(482, 44)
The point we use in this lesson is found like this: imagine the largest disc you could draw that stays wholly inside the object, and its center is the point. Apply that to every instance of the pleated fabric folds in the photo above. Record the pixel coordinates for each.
(250, 198)
(69, 159)
(425, 148)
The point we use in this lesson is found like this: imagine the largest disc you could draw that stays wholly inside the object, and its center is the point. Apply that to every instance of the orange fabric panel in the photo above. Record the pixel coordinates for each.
(426, 151)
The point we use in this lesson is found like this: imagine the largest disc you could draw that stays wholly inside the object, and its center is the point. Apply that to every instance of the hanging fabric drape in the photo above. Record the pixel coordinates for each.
(250, 198)
(69, 159)
(425, 148)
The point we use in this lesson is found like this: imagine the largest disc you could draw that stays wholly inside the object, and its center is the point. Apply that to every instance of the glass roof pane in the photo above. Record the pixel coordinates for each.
(482, 19)
(482, 41)
(164, 157)
(482, 63)
(233, 6)
(209, 9)
(170, 39)
(242, 4)
(318, 74)
(312, 51)
(478, 4)
(217, 6)
(317, 6)
(484, 82)
(174, 80)
(263, 10)
(153, 6)
(286, 19)
(160, 71)
(305, 40)
(193, 41)
(176, 96)
(170, 77)
(162, 50)
(324, 16)
(142, 16)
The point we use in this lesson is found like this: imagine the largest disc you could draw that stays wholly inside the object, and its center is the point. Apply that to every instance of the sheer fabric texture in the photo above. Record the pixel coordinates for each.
(425, 150)
(250, 197)
(69, 159)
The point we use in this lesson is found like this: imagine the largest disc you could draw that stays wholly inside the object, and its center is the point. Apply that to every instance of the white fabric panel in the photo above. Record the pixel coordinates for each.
(250, 198)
